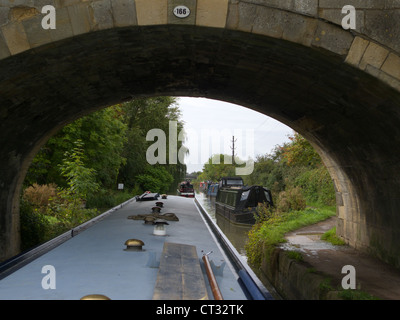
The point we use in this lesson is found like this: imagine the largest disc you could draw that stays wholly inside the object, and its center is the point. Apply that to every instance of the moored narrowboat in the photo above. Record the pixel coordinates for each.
(203, 186)
(239, 203)
(186, 189)
(212, 189)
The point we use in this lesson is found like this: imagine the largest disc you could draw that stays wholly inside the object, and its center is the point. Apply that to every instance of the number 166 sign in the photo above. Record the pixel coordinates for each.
(181, 11)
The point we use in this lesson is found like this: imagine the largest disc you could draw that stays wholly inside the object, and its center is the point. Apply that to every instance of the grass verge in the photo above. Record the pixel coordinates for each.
(265, 235)
(330, 236)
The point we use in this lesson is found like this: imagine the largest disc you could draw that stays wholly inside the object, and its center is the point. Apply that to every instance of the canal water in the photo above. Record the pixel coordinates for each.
(237, 234)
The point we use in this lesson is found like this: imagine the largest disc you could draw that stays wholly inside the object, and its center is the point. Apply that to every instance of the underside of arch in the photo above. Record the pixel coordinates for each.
(349, 116)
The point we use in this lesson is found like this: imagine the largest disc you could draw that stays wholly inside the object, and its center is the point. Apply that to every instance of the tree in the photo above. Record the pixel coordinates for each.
(103, 134)
(215, 168)
(294, 165)
(114, 142)
(155, 179)
(81, 180)
(142, 115)
(299, 152)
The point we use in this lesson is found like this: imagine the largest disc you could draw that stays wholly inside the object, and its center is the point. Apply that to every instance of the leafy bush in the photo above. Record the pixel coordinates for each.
(34, 226)
(46, 212)
(69, 211)
(109, 199)
(317, 186)
(40, 196)
(254, 246)
(291, 199)
(264, 213)
(155, 179)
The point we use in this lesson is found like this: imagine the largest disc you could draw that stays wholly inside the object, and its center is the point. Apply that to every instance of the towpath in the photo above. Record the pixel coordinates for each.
(372, 275)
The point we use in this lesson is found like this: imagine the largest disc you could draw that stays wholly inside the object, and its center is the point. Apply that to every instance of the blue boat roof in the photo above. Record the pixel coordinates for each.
(95, 261)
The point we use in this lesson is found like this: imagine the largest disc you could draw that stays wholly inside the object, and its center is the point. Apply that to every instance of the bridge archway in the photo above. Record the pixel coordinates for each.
(291, 61)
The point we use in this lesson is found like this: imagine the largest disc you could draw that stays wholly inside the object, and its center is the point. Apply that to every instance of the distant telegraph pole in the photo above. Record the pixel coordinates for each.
(233, 149)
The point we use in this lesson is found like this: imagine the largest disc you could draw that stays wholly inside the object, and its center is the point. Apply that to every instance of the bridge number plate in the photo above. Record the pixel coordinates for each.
(181, 12)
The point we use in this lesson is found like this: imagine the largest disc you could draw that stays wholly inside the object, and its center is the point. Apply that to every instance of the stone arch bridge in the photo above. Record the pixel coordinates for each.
(289, 59)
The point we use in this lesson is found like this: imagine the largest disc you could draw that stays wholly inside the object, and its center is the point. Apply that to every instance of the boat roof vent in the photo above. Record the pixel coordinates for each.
(134, 245)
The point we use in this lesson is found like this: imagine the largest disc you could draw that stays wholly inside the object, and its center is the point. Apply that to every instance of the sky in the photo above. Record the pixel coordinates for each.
(255, 133)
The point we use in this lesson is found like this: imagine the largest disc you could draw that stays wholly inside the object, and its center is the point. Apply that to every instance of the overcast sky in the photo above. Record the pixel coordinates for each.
(255, 133)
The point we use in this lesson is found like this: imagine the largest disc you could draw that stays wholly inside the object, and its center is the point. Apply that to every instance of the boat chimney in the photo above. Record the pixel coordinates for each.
(159, 227)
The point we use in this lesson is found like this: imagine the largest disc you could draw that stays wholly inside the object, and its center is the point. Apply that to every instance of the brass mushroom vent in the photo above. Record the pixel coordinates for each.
(95, 297)
(149, 219)
(134, 245)
(156, 209)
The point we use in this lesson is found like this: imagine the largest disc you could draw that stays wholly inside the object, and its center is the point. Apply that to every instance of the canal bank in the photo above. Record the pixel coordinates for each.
(318, 274)
(284, 277)
(315, 273)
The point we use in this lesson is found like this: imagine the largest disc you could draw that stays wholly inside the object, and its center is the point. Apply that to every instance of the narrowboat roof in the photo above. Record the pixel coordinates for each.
(95, 260)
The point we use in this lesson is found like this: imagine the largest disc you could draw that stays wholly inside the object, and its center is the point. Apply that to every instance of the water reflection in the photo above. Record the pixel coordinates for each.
(237, 234)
